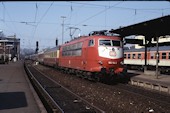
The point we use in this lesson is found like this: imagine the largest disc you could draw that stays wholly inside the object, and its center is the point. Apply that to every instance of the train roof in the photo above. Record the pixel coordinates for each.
(82, 38)
(161, 48)
(51, 49)
(93, 34)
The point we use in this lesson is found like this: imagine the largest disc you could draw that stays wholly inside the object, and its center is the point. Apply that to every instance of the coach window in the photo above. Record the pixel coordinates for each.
(152, 55)
(163, 55)
(133, 56)
(91, 42)
(124, 55)
(128, 56)
(169, 56)
(74, 46)
(139, 56)
(64, 48)
(79, 45)
(71, 47)
(67, 47)
(53, 54)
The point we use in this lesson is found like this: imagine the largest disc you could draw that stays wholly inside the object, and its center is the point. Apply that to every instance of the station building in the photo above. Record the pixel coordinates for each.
(9, 48)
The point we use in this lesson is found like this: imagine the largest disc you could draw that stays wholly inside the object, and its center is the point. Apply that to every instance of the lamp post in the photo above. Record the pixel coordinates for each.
(157, 55)
(63, 28)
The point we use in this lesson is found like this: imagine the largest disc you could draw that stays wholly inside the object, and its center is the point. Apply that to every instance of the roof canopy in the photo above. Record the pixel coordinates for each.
(152, 28)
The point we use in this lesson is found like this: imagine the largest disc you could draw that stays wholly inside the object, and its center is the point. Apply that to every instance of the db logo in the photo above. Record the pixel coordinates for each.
(112, 53)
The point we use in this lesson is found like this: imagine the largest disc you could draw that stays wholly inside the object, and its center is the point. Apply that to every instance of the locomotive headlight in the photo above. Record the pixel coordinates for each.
(112, 62)
(100, 62)
(112, 53)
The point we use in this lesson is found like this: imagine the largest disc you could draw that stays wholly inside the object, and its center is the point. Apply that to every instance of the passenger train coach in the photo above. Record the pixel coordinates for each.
(135, 58)
(94, 56)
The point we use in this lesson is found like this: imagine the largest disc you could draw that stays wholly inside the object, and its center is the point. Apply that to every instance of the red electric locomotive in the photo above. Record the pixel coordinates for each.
(93, 55)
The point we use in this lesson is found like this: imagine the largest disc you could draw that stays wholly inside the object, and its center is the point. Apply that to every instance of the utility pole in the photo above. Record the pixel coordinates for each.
(63, 28)
(157, 55)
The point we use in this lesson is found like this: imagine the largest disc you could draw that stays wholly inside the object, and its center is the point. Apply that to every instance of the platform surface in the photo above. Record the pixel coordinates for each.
(15, 93)
(161, 79)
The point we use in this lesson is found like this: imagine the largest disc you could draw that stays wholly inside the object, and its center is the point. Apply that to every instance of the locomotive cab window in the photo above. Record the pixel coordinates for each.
(105, 42)
(110, 43)
(91, 42)
(116, 43)
(124, 55)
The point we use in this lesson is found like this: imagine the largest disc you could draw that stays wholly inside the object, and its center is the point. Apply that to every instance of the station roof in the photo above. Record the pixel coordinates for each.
(152, 28)
(10, 40)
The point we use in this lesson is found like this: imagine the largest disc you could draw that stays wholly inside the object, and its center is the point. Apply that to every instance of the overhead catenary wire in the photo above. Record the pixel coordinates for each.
(97, 5)
(114, 6)
(5, 10)
(73, 7)
(42, 19)
(147, 10)
(36, 6)
(96, 14)
(127, 8)
(55, 23)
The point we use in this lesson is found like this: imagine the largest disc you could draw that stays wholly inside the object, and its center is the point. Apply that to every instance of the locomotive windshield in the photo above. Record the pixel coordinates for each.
(110, 42)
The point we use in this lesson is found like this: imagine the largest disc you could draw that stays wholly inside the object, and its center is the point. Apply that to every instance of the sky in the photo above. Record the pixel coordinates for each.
(41, 21)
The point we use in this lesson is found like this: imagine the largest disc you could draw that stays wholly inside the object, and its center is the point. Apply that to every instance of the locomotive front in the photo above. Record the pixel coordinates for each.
(110, 52)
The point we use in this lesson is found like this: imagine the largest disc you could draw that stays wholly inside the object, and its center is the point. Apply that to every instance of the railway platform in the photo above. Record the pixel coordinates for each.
(16, 92)
(160, 83)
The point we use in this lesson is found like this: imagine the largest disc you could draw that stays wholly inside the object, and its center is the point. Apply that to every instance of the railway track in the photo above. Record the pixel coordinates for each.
(117, 98)
(150, 94)
(59, 98)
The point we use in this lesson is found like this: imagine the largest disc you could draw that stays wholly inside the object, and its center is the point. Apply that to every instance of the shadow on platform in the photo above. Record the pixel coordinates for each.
(130, 74)
(11, 100)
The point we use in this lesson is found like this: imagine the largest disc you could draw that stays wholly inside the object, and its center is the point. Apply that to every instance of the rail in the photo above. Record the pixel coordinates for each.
(50, 87)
